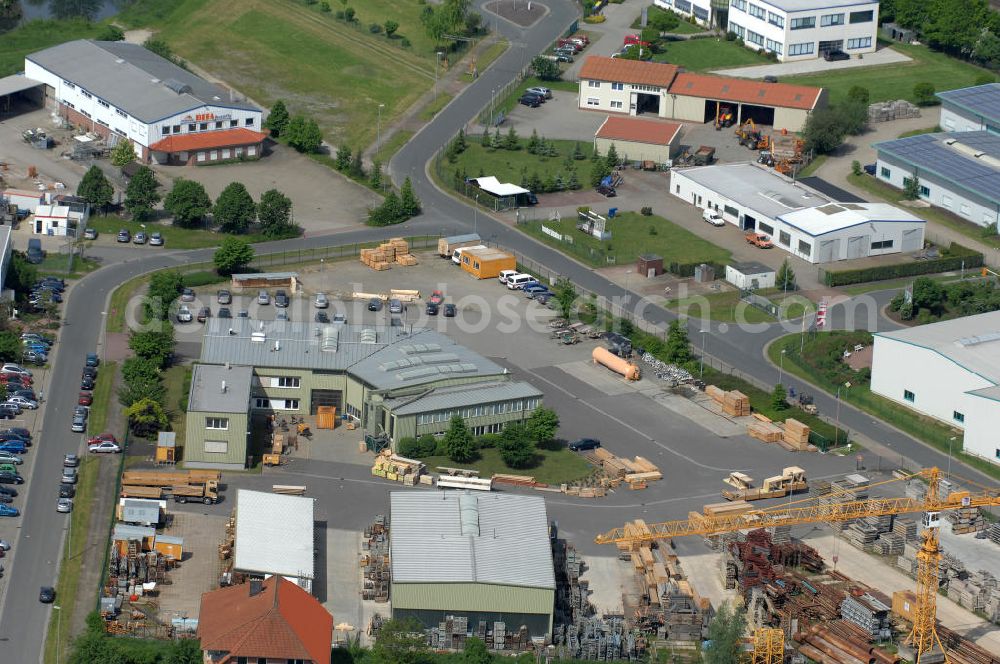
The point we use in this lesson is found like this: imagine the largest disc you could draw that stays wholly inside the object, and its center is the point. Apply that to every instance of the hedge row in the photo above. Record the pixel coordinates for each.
(952, 259)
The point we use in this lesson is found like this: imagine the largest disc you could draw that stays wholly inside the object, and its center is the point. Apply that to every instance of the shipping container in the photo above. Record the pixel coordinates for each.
(487, 263)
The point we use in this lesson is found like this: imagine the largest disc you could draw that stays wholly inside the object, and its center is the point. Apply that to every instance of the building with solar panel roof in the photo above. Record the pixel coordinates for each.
(949, 371)
(971, 109)
(957, 170)
(394, 381)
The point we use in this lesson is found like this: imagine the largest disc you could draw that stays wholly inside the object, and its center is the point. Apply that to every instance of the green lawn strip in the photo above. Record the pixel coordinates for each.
(707, 54)
(922, 428)
(176, 381)
(119, 303)
(508, 165)
(896, 81)
(630, 236)
(555, 466)
(391, 146)
(934, 214)
(917, 132)
(41, 34)
(487, 57)
(812, 166)
(899, 284)
(67, 585)
(726, 307)
(428, 112)
(174, 237)
(282, 49)
(59, 265)
(103, 394)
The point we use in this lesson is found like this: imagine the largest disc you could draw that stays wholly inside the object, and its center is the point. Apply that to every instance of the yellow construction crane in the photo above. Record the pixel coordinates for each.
(923, 638)
(768, 646)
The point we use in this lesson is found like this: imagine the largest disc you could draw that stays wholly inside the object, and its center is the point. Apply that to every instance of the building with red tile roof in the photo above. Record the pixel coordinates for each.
(631, 87)
(211, 145)
(267, 620)
(637, 139)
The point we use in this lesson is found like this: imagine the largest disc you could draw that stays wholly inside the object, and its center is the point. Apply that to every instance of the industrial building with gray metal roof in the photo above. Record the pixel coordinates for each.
(483, 555)
(396, 382)
(971, 109)
(958, 171)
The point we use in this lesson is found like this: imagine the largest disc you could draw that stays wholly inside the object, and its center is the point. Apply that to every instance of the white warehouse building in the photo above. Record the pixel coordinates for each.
(971, 109)
(805, 29)
(957, 171)
(706, 12)
(949, 371)
(798, 219)
(124, 91)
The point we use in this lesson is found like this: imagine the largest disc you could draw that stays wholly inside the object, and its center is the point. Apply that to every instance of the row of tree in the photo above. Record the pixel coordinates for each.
(300, 132)
(396, 208)
(968, 29)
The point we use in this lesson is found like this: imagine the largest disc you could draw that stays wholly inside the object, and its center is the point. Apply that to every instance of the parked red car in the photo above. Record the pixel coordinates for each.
(436, 298)
(102, 437)
(86, 398)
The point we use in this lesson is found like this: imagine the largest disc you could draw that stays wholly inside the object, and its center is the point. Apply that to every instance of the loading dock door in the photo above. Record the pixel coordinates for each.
(333, 398)
(829, 250)
(749, 223)
(911, 240)
(857, 247)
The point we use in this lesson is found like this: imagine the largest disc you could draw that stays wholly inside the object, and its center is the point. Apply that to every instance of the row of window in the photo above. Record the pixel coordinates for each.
(203, 126)
(482, 410)
(219, 423)
(683, 5)
(860, 42)
(955, 415)
(882, 244)
(90, 96)
(621, 86)
(754, 38)
(946, 201)
(226, 153)
(276, 404)
(757, 11)
(773, 46)
(737, 30)
(278, 381)
(805, 48)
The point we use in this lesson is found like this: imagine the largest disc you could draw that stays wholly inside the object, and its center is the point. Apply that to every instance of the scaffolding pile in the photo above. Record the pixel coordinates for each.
(887, 111)
(848, 489)
(375, 560)
(966, 520)
(395, 251)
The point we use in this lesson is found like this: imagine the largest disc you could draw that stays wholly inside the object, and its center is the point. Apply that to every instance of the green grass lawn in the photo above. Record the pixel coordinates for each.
(860, 395)
(917, 132)
(428, 112)
(935, 214)
(392, 146)
(38, 35)
(321, 66)
(59, 264)
(812, 166)
(684, 27)
(510, 165)
(726, 307)
(896, 81)
(707, 54)
(177, 381)
(103, 394)
(119, 303)
(860, 289)
(487, 57)
(554, 466)
(174, 237)
(631, 236)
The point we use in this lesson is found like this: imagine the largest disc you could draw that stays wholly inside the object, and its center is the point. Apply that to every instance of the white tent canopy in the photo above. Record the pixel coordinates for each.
(493, 186)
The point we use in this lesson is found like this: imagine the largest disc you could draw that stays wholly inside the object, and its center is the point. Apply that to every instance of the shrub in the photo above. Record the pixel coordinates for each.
(646, 211)
(652, 230)
(595, 18)
(417, 448)
(488, 441)
(375, 28)
(856, 167)
(324, 7)
(956, 256)
(730, 36)
(404, 42)
(923, 93)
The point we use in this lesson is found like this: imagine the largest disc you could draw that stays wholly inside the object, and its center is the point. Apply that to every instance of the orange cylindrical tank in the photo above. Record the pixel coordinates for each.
(616, 364)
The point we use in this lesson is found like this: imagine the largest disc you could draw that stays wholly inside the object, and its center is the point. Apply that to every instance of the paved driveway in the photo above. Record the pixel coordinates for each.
(883, 56)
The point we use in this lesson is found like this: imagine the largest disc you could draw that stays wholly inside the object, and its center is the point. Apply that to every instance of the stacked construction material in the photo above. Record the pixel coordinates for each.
(401, 250)
(993, 533)
(906, 528)
(375, 560)
(686, 617)
(781, 534)
(764, 430)
(889, 544)
(397, 469)
(887, 111)
(635, 471)
(736, 404)
(869, 613)
(634, 529)
(848, 489)
(966, 520)
(796, 434)
(396, 250)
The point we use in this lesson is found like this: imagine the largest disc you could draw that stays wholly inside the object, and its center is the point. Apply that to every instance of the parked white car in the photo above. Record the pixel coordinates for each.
(23, 402)
(184, 314)
(322, 301)
(713, 217)
(16, 369)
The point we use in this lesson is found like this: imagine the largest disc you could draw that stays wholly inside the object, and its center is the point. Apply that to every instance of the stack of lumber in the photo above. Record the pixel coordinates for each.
(401, 251)
(377, 259)
(769, 432)
(727, 508)
(796, 434)
(404, 294)
(277, 443)
(635, 471)
(717, 393)
(736, 404)
(396, 468)
(637, 528)
(585, 491)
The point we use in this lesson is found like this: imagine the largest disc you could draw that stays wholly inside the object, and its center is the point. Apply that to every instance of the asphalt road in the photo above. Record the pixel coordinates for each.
(37, 548)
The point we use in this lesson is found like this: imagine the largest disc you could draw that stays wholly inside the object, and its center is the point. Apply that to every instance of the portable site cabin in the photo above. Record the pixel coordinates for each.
(487, 263)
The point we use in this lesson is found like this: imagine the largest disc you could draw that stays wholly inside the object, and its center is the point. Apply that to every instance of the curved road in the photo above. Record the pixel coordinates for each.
(37, 548)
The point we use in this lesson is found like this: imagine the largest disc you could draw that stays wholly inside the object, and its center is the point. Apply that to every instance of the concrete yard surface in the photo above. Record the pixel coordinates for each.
(199, 572)
(344, 580)
(608, 578)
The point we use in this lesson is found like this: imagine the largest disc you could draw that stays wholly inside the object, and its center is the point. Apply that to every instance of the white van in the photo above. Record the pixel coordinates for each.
(517, 281)
(506, 274)
(456, 256)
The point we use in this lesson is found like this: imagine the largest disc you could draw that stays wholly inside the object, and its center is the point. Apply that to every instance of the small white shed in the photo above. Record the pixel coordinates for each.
(750, 275)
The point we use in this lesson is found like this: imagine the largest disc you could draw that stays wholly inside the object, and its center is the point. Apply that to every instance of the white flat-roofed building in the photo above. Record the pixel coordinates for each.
(798, 219)
(804, 29)
(949, 371)
(274, 536)
(703, 11)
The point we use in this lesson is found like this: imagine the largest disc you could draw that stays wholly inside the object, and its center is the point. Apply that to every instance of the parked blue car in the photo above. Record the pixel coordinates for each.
(7, 510)
(15, 446)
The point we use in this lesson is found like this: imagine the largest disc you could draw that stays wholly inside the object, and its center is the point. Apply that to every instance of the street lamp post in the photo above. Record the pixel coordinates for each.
(701, 371)
(475, 215)
(378, 131)
(950, 441)
(781, 366)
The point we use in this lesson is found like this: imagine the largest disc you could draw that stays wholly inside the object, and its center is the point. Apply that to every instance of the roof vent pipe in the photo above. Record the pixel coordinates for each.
(223, 387)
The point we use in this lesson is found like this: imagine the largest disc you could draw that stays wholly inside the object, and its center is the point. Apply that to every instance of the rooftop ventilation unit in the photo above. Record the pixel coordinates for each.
(120, 61)
(258, 337)
(330, 341)
(979, 339)
(368, 336)
(177, 86)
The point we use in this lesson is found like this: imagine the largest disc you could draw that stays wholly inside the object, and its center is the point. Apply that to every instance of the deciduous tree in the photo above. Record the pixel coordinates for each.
(233, 254)
(458, 441)
(234, 209)
(725, 636)
(678, 346)
(545, 69)
(164, 287)
(565, 294)
(156, 345)
(141, 195)
(95, 189)
(274, 212)
(188, 202)
(123, 153)
(277, 119)
(516, 447)
(542, 425)
(146, 418)
(400, 642)
(390, 27)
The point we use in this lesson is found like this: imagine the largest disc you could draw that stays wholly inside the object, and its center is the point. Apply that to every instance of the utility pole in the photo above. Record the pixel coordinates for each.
(378, 131)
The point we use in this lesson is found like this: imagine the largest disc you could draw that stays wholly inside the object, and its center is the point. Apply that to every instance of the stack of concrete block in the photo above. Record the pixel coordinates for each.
(966, 520)
(887, 111)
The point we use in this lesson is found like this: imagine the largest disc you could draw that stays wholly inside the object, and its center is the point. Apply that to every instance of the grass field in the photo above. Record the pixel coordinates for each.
(896, 81)
(428, 112)
(684, 27)
(726, 307)
(630, 236)
(508, 165)
(892, 195)
(707, 54)
(282, 49)
(554, 466)
(58, 264)
(119, 303)
(174, 237)
(38, 35)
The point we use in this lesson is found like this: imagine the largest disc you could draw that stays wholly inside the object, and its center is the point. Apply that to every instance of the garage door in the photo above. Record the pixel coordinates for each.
(333, 398)
(911, 240)
(829, 250)
(857, 247)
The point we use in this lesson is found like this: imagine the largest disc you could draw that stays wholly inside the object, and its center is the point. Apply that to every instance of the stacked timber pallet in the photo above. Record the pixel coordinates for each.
(795, 435)
(633, 530)
(734, 403)
(848, 489)
(636, 472)
(375, 560)
(906, 528)
(398, 469)
(396, 250)
(763, 429)
(966, 520)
